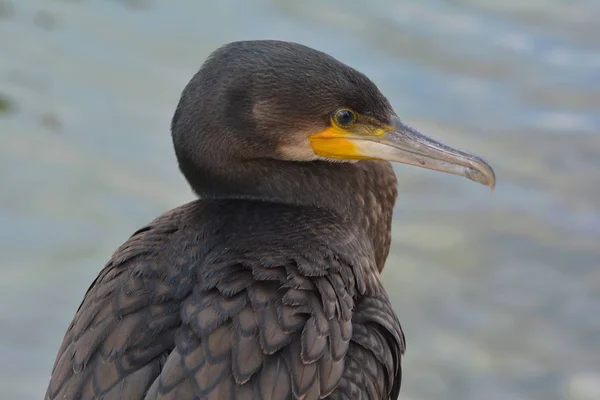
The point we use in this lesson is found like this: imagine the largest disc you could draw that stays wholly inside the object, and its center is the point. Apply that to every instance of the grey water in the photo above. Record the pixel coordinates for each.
(499, 294)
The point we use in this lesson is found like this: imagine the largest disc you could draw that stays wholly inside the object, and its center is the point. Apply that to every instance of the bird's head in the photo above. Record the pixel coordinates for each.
(259, 100)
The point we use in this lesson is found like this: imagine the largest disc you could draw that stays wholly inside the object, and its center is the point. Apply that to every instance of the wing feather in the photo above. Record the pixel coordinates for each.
(170, 319)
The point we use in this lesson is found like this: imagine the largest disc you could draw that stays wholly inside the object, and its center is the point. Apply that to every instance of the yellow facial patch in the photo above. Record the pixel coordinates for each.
(343, 143)
(333, 143)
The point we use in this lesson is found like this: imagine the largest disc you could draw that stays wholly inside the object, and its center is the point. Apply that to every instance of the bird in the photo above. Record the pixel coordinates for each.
(268, 284)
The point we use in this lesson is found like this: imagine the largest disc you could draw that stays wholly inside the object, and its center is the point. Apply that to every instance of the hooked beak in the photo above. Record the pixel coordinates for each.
(401, 143)
(404, 144)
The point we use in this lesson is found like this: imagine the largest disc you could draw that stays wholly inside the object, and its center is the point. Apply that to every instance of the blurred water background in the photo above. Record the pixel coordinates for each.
(499, 294)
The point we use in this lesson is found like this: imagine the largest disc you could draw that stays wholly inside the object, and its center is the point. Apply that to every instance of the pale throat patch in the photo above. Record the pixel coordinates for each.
(303, 151)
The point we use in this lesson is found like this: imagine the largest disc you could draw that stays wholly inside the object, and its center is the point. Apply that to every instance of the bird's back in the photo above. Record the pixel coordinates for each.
(234, 300)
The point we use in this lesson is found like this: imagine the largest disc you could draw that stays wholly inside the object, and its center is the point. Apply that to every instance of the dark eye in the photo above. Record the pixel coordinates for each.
(344, 118)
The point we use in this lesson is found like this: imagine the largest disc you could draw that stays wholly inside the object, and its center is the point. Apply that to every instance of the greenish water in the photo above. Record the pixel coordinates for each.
(499, 294)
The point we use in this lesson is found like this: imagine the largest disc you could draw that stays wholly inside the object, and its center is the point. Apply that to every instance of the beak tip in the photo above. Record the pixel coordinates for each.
(483, 173)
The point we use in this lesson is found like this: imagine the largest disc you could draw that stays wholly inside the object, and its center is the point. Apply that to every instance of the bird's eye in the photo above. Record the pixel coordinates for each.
(344, 118)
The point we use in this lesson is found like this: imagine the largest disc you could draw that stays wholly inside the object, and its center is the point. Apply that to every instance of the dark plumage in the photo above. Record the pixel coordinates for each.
(267, 286)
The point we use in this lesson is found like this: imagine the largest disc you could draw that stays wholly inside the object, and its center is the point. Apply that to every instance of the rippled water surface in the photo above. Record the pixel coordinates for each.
(499, 294)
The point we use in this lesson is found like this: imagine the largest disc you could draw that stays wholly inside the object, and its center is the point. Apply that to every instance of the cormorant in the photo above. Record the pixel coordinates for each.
(268, 286)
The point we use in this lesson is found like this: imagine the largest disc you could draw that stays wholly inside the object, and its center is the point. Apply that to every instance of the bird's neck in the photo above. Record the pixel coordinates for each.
(363, 194)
